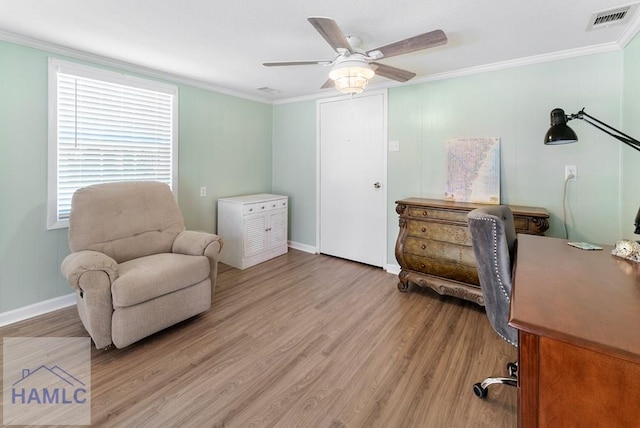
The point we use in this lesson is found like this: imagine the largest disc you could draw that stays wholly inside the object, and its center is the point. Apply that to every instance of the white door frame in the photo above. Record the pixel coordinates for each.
(383, 174)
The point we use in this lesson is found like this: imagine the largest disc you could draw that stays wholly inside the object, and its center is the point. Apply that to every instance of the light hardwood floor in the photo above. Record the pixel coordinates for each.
(303, 340)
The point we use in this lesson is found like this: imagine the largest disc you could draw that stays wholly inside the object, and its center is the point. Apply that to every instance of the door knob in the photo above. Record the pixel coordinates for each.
(377, 184)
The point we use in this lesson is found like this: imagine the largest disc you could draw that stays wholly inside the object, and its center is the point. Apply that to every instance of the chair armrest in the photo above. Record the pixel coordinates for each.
(76, 264)
(194, 243)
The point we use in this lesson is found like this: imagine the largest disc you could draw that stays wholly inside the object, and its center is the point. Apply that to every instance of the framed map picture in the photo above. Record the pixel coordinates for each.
(473, 170)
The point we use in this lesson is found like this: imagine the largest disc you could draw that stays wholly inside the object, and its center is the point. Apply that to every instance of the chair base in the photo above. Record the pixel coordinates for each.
(481, 389)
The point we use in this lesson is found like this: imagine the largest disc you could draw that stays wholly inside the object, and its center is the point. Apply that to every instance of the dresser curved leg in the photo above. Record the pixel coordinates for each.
(403, 284)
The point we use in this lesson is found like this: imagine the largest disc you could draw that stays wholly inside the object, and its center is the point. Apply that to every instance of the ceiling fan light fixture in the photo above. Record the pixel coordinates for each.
(351, 76)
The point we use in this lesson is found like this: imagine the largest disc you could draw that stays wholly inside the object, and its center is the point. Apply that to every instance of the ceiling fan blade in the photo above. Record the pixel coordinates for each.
(393, 73)
(328, 28)
(412, 44)
(328, 84)
(287, 63)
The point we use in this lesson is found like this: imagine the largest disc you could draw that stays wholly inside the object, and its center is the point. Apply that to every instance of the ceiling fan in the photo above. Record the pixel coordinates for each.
(353, 67)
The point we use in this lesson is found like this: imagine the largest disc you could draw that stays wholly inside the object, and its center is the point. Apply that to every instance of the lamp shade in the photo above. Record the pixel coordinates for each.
(559, 132)
(351, 75)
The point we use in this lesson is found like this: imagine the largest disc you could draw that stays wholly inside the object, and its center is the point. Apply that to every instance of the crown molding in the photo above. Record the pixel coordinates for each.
(630, 32)
(503, 65)
(628, 35)
(123, 65)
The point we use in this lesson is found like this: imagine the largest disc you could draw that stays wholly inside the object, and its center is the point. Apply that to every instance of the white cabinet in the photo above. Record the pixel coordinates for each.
(253, 228)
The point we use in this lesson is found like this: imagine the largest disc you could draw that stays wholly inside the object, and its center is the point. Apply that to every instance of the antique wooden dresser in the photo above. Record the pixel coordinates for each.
(434, 245)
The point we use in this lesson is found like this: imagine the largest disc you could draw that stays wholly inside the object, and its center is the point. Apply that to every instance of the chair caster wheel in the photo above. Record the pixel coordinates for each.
(479, 390)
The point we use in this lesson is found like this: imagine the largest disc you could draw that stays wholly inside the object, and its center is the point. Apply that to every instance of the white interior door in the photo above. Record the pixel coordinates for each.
(352, 195)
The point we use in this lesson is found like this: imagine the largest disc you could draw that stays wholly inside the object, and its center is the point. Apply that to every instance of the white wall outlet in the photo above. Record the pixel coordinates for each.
(394, 146)
(570, 170)
(203, 192)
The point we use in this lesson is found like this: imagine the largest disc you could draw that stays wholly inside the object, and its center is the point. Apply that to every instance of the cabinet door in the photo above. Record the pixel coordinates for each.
(277, 228)
(255, 234)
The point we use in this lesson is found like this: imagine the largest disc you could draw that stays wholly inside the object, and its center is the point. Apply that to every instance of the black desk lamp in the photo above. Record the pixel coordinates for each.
(560, 133)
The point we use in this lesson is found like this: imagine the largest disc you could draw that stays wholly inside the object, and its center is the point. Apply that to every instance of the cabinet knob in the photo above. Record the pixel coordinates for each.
(424, 247)
(250, 209)
(424, 213)
(424, 229)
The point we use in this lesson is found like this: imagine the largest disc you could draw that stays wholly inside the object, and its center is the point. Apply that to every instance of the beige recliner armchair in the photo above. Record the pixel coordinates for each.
(135, 269)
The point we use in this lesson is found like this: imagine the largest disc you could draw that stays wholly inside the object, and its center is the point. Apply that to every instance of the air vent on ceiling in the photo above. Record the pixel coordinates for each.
(606, 18)
(269, 90)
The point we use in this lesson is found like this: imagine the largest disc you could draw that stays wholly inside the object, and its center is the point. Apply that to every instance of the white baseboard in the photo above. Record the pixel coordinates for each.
(393, 268)
(302, 247)
(36, 309)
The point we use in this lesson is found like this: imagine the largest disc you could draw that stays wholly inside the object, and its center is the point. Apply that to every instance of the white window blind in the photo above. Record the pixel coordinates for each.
(108, 127)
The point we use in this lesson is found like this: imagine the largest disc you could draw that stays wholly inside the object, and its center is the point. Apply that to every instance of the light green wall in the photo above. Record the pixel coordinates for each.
(630, 172)
(294, 166)
(224, 144)
(513, 104)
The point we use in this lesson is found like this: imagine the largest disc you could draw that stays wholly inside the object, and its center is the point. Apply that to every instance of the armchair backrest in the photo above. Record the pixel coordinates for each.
(124, 220)
(493, 236)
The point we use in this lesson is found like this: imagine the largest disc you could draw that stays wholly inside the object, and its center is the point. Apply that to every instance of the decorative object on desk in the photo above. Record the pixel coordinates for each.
(473, 171)
(560, 133)
(627, 249)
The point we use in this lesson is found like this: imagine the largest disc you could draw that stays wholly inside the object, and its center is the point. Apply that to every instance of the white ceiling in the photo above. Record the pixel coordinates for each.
(222, 44)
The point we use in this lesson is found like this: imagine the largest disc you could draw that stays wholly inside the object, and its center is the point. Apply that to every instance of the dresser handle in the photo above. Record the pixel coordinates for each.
(424, 213)
(424, 247)
(424, 229)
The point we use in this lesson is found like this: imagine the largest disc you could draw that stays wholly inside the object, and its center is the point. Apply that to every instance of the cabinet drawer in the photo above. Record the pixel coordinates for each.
(434, 214)
(274, 205)
(442, 268)
(457, 234)
(260, 207)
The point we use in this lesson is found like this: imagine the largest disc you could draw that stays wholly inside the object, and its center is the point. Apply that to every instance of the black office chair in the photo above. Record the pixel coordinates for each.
(494, 242)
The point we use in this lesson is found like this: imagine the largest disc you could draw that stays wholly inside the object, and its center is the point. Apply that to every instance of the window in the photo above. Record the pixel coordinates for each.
(105, 127)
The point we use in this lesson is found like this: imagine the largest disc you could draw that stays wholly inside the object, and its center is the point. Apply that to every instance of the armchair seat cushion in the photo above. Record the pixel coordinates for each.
(148, 277)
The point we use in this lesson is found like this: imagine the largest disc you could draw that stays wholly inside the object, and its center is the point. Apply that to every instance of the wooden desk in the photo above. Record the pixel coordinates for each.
(578, 316)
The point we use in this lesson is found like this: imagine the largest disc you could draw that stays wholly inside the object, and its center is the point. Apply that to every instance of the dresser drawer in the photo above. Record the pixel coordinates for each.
(458, 234)
(442, 268)
(446, 251)
(435, 214)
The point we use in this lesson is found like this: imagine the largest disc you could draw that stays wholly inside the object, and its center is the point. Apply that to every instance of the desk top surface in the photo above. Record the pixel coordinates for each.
(587, 298)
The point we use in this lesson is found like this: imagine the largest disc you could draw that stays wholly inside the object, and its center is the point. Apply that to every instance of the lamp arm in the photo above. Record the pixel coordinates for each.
(618, 135)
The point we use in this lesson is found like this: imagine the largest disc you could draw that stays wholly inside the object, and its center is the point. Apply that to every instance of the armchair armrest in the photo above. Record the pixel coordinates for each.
(197, 243)
(76, 264)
